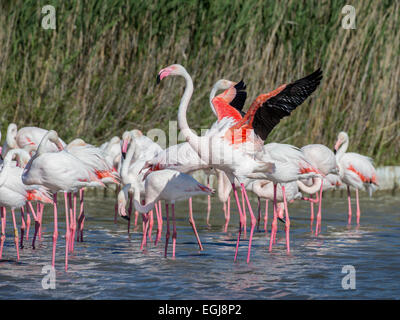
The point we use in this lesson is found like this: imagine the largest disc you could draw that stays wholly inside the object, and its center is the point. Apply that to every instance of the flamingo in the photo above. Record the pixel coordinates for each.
(355, 171)
(26, 137)
(183, 158)
(291, 166)
(233, 141)
(14, 194)
(59, 171)
(168, 185)
(322, 158)
(94, 158)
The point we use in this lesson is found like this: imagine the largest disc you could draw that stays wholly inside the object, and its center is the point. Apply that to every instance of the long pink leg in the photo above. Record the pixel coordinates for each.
(318, 226)
(228, 213)
(159, 222)
(193, 224)
(15, 233)
(151, 224)
(266, 216)
(145, 219)
(117, 190)
(259, 213)
(174, 230)
(28, 223)
(312, 214)
(244, 217)
(73, 222)
(39, 214)
(287, 221)
(37, 224)
(240, 219)
(67, 231)
(3, 229)
(253, 221)
(349, 200)
(81, 218)
(358, 208)
(274, 225)
(208, 203)
(23, 227)
(136, 217)
(55, 232)
(130, 211)
(167, 233)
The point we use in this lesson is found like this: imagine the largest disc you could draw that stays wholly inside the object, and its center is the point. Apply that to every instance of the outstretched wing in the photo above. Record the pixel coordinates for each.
(240, 97)
(230, 103)
(269, 109)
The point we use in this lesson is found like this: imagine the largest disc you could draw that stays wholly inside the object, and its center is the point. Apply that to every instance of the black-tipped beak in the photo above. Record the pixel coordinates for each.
(334, 151)
(126, 218)
(123, 155)
(158, 79)
(282, 220)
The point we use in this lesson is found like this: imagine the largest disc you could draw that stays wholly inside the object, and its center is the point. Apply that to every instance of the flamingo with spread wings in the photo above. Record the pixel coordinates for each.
(232, 142)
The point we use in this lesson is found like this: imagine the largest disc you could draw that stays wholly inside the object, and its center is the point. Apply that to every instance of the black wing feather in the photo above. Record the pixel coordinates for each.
(281, 105)
(240, 98)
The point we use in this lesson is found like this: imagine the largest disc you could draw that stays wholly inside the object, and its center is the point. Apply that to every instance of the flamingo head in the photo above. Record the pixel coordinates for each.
(342, 138)
(53, 137)
(172, 70)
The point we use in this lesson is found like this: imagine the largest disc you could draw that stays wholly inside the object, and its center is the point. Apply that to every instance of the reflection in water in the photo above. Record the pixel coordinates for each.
(109, 264)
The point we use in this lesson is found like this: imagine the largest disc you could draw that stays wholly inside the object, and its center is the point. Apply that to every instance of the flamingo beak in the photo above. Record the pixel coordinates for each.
(337, 145)
(60, 146)
(124, 147)
(163, 73)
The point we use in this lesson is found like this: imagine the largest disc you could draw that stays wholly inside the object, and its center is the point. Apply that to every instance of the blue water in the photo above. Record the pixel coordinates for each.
(109, 264)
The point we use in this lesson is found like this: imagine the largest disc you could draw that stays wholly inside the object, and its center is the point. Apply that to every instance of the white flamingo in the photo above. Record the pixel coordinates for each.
(59, 171)
(355, 171)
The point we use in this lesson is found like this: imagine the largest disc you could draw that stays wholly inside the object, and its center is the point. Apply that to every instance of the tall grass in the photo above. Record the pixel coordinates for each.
(94, 76)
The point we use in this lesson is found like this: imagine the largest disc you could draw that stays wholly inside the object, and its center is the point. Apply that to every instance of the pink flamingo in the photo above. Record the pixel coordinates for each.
(355, 171)
(235, 139)
(59, 171)
(171, 186)
(14, 194)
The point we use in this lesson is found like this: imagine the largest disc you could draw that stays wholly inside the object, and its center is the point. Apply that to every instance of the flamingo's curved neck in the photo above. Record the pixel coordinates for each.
(128, 158)
(315, 187)
(188, 134)
(212, 95)
(342, 150)
(260, 188)
(49, 136)
(11, 139)
(7, 164)
(136, 200)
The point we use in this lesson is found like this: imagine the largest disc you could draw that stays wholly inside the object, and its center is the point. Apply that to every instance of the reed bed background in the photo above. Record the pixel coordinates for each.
(94, 76)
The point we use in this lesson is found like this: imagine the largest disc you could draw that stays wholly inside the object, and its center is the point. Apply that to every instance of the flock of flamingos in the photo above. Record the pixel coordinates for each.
(37, 165)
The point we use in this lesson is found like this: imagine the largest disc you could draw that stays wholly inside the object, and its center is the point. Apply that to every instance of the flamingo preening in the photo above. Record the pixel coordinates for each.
(26, 137)
(323, 159)
(355, 171)
(59, 171)
(168, 185)
(235, 140)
